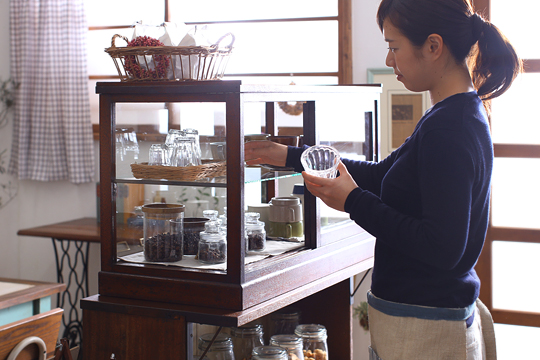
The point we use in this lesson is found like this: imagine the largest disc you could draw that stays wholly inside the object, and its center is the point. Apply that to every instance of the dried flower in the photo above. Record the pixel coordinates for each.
(161, 62)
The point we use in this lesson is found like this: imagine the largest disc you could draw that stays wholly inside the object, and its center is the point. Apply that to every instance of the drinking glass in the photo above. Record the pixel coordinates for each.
(183, 153)
(173, 134)
(193, 133)
(321, 161)
(159, 155)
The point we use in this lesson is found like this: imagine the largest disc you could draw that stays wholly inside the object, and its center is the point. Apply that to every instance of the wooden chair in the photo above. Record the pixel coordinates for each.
(29, 335)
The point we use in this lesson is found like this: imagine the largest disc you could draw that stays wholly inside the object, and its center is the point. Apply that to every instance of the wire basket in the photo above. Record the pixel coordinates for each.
(209, 170)
(171, 63)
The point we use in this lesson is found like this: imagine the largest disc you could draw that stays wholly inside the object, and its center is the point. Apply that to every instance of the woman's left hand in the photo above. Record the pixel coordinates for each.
(333, 192)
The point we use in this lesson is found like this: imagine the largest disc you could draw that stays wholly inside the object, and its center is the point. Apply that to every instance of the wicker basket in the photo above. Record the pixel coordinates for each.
(181, 63)
(189, 173)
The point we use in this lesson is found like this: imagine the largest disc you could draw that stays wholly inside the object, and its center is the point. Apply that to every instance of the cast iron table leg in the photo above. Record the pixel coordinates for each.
(76, 285)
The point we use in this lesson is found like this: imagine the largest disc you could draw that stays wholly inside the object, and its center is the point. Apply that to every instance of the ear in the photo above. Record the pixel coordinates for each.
(434, 46)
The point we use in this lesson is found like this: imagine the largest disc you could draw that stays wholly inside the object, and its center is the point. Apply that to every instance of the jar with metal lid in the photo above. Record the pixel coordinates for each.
(163, 232)
(284, 321)
(269, 353)
(212, 245)
(314, 338)
(255, 232)
(220, 349)
(292, 343)
(245, 339)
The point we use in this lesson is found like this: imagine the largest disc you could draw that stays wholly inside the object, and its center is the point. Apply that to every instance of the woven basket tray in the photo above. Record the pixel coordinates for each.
(193, 63)
(188, 173)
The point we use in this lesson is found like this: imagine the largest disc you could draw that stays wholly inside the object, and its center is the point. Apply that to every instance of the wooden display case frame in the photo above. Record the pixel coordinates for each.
(336, 255)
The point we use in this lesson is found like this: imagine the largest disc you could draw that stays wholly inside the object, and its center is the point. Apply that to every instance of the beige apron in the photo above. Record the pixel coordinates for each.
(409, 338)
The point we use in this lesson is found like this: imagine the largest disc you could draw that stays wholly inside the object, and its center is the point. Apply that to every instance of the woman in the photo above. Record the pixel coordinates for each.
(427, 203)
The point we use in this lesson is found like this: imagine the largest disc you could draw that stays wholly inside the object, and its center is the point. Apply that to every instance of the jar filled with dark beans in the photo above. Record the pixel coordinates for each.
(212, 245)
(255, 233)
(192, 231)
(163, 232)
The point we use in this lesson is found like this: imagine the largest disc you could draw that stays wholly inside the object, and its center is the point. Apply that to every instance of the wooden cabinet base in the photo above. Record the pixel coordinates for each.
(131, 336)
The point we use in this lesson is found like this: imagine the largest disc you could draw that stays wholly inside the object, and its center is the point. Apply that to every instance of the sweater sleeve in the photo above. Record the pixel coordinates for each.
(437, 236)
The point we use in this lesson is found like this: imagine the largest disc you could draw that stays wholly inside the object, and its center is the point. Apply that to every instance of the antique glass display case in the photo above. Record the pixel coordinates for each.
(142, 303)
(226, 113)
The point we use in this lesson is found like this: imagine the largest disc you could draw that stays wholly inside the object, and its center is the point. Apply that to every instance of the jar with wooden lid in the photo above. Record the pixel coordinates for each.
(163, 232)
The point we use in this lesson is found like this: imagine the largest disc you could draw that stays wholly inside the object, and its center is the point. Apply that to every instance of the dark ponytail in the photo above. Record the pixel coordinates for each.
(492, 60)
(495, 64)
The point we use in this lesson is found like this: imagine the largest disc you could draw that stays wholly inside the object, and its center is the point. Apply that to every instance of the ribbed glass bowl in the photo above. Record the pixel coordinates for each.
(321, 161)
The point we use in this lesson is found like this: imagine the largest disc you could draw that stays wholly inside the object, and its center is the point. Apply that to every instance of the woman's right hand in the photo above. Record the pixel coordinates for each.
(265, 152)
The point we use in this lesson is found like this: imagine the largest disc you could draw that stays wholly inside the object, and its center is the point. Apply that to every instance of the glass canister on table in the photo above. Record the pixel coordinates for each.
(192, 234)
(245, 339)
(255, 232)
(221, 348)
(269, 353)
(292, 343)
(163, 232)
(314, 338)
(212, 245)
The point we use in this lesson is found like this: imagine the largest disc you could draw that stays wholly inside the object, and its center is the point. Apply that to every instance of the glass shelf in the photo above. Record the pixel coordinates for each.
(252, 175)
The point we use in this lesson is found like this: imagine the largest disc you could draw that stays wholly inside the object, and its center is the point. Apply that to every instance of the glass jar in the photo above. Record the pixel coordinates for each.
(163, 232)
(269, 353)
(245, 339)
(192, 234)
(212, 215)
(212, 245)
(284, 321)
(221, 349)
(223, 218)
(292, 343)
(255, 233)
(314, 338)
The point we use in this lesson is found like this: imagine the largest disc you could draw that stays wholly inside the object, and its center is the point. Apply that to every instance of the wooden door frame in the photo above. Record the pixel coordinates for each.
(484, 267)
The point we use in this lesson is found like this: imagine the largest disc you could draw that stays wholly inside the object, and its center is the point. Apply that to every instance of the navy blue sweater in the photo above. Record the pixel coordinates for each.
(427, 204)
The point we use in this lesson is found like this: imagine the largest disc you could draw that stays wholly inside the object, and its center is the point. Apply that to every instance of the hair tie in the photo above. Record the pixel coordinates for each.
(477, 26)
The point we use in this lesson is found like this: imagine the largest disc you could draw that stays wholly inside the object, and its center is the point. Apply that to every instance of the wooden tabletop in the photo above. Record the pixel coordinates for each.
(36, 291)
(84, 229)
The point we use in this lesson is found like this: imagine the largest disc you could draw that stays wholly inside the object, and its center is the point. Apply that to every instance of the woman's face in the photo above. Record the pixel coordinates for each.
(405, 59)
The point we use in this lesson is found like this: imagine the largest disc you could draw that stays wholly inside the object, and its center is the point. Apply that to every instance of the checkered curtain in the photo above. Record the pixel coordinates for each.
(52, 131)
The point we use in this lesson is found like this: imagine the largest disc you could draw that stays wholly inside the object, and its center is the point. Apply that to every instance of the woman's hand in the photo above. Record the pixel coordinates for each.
(265, 152)
(333, 192)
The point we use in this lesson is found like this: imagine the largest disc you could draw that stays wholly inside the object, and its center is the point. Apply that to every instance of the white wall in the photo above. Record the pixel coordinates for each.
(40, 203)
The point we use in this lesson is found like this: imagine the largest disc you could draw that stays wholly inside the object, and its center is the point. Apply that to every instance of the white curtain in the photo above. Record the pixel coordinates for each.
(52, 131)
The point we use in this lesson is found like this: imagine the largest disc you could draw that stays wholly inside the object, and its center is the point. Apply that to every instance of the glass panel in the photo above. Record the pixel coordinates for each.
(281, 47)
(516, 193)
(219, 10)
(515, 119)
(331, 121)
(516, 266)
(518, 21)
(287, 80)
(106, 12)
(517, 342)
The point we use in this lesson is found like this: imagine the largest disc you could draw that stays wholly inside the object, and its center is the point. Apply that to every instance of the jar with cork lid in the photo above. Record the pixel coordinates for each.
(163, 232)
